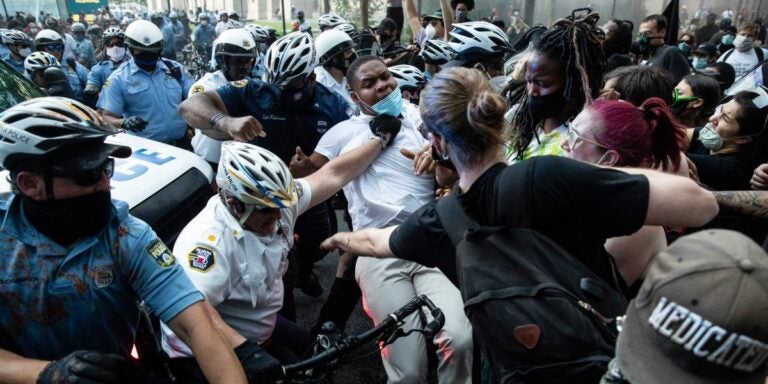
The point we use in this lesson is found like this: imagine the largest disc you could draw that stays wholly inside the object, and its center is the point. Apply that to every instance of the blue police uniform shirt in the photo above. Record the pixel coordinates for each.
(85, 51)
(4, 50)
(204, 35)
(168, 40)
(17, 65)
(285, 129)
(77, 77)
(100, 73)
(57, 300)
(258, 68)
(154, 97)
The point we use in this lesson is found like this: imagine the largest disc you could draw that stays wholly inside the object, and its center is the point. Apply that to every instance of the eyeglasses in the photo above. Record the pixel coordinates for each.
(573, 137)
(53, 47)
(88, 177)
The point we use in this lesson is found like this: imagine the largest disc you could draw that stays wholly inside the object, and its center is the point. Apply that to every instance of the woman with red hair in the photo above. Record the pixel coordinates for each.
(617, 133)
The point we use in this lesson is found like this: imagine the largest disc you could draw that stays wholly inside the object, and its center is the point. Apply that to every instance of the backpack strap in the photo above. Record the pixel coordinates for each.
(727, 54)
(176, 73)
(452, 216)
(760, 54)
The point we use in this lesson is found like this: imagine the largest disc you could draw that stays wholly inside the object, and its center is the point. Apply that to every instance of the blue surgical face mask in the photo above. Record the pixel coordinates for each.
(699, 62)
(727, 39)
(391, 105)
(685, 48)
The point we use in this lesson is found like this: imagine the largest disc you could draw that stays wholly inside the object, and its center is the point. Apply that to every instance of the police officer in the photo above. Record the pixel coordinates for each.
(335, 52)
(116, 52)
(235, 55)
(203, 36)
(70, 50)
(49, 41)
(79, 263)
(18, 49)
(294, 111)
(35, 65)
(143, 95)
(83, 46)
(169, 44)
(261, 37)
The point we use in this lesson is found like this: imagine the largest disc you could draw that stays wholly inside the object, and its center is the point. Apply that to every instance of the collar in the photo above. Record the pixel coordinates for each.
(230, 223)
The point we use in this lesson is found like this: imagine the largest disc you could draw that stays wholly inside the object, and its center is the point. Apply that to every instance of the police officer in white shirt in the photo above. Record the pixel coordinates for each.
(236, 250)
(335, 52)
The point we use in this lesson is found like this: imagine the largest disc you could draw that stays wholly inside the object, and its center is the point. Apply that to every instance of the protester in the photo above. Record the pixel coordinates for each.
(652, 50)
(745, 55)
(637, 83)
(563, 72)
(618, 41)
(705, 32)
(679, 328)
(703, 55)
(575, 205)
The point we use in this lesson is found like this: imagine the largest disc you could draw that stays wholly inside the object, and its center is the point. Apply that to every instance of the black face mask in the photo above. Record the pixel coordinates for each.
(544, 107)
(341, 63)
(147, 60)
(67, 220)
(641, 46)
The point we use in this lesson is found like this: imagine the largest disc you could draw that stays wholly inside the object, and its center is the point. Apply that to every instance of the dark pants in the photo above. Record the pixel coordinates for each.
(288, 343)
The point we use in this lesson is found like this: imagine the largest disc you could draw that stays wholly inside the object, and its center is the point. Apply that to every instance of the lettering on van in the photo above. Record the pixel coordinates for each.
(136, 170)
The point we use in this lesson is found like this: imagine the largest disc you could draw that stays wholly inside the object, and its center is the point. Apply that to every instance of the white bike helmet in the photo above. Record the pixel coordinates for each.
(437, 52)
(78, 27)
(350, 30)
(235, 42)
(37, 127)
(234, 24)
(329, 20)
(291, 56)
(331, 43)
(259, 33)
(113, 32)
(408, 76)
(39, 60)
(48, 36)
(143, 35)
(255, 175)
(478, 38)
(14, 37)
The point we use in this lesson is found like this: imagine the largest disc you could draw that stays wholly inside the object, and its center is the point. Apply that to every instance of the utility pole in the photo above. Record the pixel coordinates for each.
(364, 12)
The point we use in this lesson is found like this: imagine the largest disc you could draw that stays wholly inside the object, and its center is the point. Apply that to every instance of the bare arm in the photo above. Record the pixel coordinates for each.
(16, 369)
(198, 110)
(112, 119)
(447, 18)
(338, 172)
(676, 201)
(753, 203)
(413, 18)
(216, 357)
(372, 242)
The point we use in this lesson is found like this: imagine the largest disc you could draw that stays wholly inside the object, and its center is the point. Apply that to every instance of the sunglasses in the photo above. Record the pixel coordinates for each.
(573, 137)
(53, 47)
(111, 44)
(87, 177)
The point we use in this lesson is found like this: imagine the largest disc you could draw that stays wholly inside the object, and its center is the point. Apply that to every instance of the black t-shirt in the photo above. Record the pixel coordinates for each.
(576, 205)
(721, 172)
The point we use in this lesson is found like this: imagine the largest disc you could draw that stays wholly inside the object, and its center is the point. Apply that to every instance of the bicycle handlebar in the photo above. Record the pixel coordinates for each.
(389, 324)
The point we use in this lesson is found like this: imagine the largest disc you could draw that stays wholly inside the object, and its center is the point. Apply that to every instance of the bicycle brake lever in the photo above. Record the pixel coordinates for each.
(398, 333)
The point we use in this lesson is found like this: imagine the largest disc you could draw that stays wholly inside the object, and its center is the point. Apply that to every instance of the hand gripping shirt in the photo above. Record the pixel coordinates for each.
(240, 273)
(154, 97)
(286, 129)
(204, 146)
(56, 300)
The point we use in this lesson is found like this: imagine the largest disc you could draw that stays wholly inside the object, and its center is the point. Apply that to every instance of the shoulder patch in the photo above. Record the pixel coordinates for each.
(201, 259)
(162, 255)
(239, 83)
(197, 89)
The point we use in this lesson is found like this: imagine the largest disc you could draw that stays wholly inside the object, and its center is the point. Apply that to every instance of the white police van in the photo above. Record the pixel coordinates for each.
(163, 185)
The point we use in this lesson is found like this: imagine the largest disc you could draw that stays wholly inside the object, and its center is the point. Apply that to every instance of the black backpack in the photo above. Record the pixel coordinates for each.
(538, 313)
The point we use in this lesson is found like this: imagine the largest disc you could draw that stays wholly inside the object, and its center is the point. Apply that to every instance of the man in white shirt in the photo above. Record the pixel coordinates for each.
(385, 195)
(223, 23)
(237, 250)
(744, 55)
(335, 53)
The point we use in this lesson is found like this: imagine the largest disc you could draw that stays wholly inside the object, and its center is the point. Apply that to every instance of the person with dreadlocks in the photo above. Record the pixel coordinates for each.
(563, 72)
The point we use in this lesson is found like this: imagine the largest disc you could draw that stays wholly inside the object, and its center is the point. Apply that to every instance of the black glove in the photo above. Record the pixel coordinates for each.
(259, 366)
(135, 124)
(385, 127)
(82, 367)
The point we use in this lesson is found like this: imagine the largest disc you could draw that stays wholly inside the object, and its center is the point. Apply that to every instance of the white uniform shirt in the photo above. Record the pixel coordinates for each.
(221, 26)
(342, 89)
(239, 272)
(204, 146)
(388, 191)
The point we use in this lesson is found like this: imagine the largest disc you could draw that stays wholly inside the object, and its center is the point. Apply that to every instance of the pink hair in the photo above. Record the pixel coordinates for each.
(643, 135)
